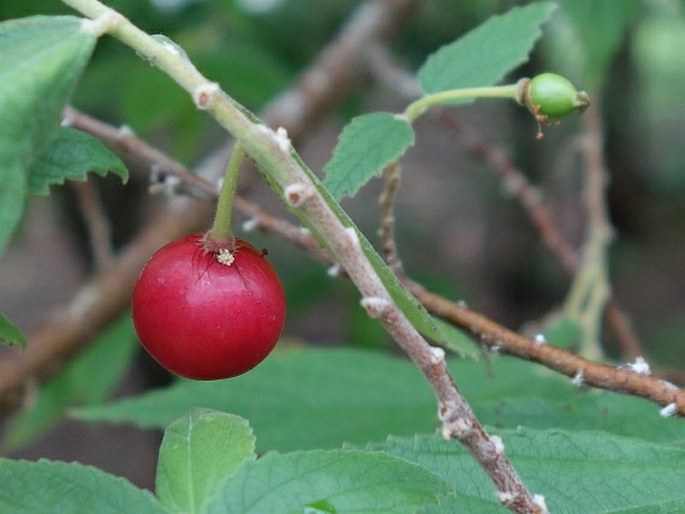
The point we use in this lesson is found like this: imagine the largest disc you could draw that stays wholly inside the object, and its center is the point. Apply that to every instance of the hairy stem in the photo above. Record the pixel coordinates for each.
(386, 232)
(418, 107)
(302, 191)
(221, 227)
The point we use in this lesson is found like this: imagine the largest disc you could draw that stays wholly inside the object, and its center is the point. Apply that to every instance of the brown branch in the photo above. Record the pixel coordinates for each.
(497, 337)
(339, 69)
(403, 83)
(392, 175)
(530, 199)
(621, 380)
(97, 224)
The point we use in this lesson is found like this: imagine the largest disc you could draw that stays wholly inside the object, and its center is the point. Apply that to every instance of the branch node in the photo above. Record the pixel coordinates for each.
(669, 410)
(376, 306)
(125, 131)
(640, 366)
(506, 498)
(160, 182)
(103, 23)
(579, 379)
(540, 339)
(352, 236)
(459, 429)
(334, 270)
(437, 355)
(282, 139)
(498, 444)
(205, 95)
(539, 500)
(297, 194)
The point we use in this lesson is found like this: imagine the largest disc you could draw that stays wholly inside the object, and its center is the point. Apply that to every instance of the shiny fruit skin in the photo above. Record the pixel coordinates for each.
(204, 320)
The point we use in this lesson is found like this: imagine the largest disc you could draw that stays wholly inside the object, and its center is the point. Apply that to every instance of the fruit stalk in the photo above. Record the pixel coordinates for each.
(291, 179)
(221, 227)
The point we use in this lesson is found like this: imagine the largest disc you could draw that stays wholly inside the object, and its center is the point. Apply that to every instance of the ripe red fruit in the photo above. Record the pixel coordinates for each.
(206, 320)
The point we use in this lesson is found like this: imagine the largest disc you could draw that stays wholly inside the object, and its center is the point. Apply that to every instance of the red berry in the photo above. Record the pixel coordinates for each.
(206, 320)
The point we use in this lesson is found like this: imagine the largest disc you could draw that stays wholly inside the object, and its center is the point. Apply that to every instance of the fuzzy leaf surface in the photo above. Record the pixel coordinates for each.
(47, 487)
(198, 452)
(483, 56)
(328, 481)
(367, 145)
(306, 399)
(577, 473)
(71, 154)
(41, 58)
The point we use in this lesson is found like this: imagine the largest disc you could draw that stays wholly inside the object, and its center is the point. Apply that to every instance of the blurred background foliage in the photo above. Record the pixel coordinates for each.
(459, 232)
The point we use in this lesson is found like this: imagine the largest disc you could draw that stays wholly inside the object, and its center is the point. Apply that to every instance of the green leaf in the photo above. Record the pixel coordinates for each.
(71, 155)
(600, 27)
(42, 57)
(320, 398)
(484, 55)
(564, 332)
(367, 145)
(10, 334)
(47, 487)
(198, 452)
(299, 400)
(584, 472)
(89, 378)
(457, 341)
(334, 481)
(405, 301)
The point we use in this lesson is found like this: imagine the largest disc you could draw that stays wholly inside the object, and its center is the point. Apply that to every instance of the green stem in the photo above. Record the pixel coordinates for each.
(221, 228)
(418, 107)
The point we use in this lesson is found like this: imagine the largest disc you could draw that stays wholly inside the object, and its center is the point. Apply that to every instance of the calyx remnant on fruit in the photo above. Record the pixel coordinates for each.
(225, 256)
(549, 96)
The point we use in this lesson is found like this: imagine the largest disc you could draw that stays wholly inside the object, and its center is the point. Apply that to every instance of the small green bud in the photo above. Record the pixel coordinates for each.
(551, 96)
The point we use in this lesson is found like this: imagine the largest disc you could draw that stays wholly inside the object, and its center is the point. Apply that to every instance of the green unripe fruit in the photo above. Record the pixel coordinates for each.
(553, 96)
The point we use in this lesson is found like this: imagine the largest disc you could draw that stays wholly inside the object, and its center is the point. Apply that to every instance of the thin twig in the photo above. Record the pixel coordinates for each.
(620, 379)
(590, 289)
(298, 186)
(403, 83)
(488, 331)
(96, 222)
(339, 66)
(125, 143)
(392, 175)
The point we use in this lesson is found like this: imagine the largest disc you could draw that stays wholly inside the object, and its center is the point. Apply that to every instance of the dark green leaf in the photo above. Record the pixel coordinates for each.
(583, 472)
(199, 451)
(10, 333)
(457, 341)
(563, 332)
(484, 55)
(299, 400)
(46, 487)
(71, 155)
(42, 58)
(334, 481)
(321, 398)
(367, 145)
